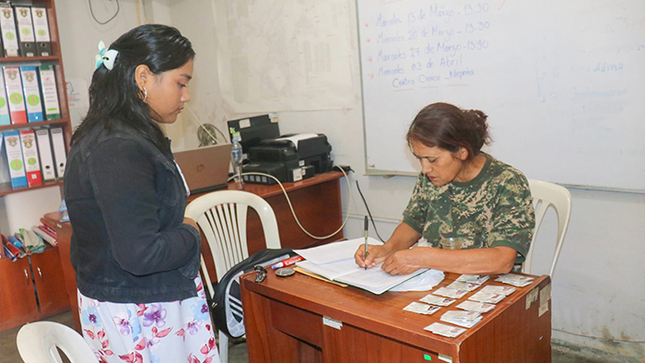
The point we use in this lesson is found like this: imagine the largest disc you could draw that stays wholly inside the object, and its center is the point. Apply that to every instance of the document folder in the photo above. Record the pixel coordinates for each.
(31, 89)
(13, 85)
(8, 28)
(43, 142)
(41, 31)
(25, 31)
(50, 93)
(60, 156)
(4, 108)
(30, 157)
(14, 159)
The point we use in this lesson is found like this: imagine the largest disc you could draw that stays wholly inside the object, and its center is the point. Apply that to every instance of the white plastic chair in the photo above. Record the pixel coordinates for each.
(222, 216)
(38, 342)
(547, 195)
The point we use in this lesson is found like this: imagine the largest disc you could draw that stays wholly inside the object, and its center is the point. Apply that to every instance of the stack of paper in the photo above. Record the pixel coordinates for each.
(436, 300)
(335, 261)
(445, 330)
(487, 297)
(479, 307)
(475, 279)
(450, 292)
(420, 308)
(467, 319)
(515, 280)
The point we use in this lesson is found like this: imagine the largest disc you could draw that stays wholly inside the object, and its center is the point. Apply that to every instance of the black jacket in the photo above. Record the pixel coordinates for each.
(126, 203)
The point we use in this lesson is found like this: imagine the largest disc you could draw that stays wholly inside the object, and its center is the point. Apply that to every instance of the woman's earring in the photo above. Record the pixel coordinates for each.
(145, 94)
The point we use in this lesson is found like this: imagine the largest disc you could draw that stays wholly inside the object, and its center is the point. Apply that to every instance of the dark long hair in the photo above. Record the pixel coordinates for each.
(115, 98)
(448, 127)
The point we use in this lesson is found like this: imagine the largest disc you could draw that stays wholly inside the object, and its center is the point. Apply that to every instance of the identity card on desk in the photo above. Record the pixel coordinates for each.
(335, 261)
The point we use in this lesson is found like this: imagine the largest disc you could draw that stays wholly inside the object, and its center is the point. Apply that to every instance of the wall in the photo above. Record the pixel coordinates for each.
(599, 284)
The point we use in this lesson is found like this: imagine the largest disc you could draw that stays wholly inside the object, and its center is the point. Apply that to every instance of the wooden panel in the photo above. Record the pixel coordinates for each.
(376, 329)
(64, 236)
(17, 298)
(50, 282)
(302, 324)
(354, 345)
(521, 335)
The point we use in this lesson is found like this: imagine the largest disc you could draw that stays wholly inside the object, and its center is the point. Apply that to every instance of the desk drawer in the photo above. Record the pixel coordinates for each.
(300, 324)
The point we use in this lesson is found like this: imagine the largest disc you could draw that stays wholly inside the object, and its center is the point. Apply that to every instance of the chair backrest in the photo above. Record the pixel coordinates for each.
(222, 216)
(547, 195)
(38, 342)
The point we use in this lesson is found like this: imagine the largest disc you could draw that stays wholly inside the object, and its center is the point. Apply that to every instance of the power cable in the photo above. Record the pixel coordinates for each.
(368, 211)
(286, 195)
(118, 8)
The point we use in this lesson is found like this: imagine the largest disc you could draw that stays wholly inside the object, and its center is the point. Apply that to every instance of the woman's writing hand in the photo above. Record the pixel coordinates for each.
(402, 262)
(376, 254)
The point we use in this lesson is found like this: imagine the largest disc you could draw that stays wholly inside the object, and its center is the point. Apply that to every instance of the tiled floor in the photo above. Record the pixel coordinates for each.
(237, 352)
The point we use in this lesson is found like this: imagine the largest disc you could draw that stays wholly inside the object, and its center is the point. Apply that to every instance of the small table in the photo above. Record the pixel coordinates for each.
(301, 319)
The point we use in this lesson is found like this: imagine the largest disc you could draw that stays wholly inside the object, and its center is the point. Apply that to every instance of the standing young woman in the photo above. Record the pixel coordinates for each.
(462, 193)
(136, 257)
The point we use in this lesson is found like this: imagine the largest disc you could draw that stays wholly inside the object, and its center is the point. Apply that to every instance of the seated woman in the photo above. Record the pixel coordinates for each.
(463, 193)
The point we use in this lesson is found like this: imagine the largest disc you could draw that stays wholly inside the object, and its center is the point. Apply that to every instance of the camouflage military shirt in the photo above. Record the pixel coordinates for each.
(494, 209)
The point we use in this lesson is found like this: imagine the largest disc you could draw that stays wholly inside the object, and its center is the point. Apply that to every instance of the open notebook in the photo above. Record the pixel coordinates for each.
(335, 261)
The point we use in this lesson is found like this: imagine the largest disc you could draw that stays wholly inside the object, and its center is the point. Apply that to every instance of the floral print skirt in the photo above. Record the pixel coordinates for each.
(178, 331)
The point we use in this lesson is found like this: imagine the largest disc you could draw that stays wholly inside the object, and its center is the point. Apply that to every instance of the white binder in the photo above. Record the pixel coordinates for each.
(9, 35)
(45, 152)
(60, 155)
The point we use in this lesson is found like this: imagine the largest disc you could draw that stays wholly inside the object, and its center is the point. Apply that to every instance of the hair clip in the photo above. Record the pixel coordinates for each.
(106, 57)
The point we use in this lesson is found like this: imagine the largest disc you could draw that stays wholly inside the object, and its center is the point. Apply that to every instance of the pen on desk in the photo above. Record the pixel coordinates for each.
(287, 262)
(367, 226)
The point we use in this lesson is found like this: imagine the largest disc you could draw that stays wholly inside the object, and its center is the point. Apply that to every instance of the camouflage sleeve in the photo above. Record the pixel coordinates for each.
(414, 214)
(513, 215)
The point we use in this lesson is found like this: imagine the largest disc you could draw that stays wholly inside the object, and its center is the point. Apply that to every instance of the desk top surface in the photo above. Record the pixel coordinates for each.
(381, 314)
(266, 191)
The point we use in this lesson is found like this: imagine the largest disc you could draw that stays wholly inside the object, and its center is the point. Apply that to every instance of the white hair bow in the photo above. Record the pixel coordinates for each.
(106, 57)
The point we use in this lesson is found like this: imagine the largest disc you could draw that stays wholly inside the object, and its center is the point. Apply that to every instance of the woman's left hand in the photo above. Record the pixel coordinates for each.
(402, 262)
(191, 222)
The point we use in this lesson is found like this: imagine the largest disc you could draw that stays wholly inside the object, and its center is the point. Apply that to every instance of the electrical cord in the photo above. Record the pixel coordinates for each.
(118, 8)
(368, 211)
(286, 195)
(195, 119)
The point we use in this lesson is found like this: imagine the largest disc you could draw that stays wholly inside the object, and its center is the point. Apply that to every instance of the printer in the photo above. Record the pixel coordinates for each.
(289, 158)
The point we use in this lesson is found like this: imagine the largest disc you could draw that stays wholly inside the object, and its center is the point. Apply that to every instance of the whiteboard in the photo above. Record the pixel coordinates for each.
(563, 82)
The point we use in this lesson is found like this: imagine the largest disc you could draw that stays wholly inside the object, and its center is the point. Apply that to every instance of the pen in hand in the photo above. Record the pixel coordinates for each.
(367, 226)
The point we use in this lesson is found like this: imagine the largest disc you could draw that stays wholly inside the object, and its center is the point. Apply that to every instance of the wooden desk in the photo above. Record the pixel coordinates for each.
(284, 323)
(316, 201)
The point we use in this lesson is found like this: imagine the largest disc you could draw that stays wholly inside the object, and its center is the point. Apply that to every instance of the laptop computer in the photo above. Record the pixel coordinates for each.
(205, 168)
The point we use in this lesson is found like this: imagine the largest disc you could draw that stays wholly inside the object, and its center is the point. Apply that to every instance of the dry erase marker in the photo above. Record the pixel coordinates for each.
(287, 262)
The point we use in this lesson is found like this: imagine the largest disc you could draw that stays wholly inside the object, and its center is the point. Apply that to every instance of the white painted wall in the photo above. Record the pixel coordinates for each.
(599, 284)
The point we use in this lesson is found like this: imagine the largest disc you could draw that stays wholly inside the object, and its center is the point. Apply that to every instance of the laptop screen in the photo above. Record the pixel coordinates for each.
(205, 168)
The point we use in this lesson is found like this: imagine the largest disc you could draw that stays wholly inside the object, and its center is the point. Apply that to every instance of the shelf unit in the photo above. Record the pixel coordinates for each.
(56, 59)
(33, 287)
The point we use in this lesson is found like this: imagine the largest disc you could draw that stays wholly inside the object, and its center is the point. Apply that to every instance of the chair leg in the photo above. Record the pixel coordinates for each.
(223, 347)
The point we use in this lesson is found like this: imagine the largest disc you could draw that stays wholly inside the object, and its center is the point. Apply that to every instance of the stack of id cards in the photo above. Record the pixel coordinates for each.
(492, 294)
(419, 308)
(436, 300)
(515, 280)
(445, 330)
(475, 279)
(467, 319)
